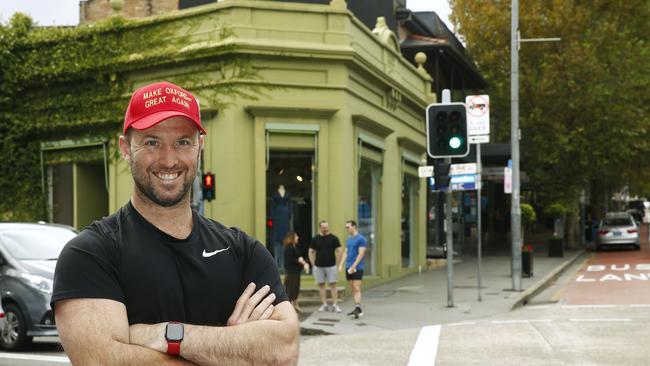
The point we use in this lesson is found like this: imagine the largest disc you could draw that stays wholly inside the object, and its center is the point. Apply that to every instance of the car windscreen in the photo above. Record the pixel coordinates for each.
(36, 244)
(617, 221)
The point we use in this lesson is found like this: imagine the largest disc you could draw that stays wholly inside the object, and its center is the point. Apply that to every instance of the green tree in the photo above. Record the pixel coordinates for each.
(583, 101)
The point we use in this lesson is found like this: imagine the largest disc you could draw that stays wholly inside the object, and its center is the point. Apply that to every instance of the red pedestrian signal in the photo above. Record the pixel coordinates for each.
(208, 186)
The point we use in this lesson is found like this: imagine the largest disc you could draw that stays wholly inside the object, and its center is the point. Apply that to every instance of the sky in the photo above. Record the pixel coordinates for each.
(66, 12)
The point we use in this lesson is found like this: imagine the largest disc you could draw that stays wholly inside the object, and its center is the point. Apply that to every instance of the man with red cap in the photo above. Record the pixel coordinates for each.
(157, 283)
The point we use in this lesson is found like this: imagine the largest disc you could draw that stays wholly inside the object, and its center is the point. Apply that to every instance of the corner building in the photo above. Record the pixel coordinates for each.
(340, 124)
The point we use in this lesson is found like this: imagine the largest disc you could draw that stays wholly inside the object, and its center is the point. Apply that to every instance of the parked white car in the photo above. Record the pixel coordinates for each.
(618, 228)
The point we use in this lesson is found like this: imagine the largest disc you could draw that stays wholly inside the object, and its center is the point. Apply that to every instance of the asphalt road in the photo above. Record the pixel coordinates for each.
(44, 351)
(598, 313)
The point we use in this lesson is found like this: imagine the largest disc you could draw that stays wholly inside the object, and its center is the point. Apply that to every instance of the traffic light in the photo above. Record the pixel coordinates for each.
(208, 186)
(447, 130)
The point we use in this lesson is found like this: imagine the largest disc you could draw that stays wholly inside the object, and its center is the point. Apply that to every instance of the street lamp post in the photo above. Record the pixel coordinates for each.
(515, 136)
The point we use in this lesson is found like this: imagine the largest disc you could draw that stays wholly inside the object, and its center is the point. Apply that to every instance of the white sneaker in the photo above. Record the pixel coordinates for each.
(322, 308)
(336, 308)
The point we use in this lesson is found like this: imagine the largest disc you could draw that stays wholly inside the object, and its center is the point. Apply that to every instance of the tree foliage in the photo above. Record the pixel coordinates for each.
(59, 83)
(583, 100)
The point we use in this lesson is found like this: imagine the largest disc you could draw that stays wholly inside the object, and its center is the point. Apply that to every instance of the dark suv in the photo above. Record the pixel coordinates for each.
(28, 254)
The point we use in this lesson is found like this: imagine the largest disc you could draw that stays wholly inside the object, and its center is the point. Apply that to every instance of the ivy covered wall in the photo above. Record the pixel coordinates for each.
(73, 83)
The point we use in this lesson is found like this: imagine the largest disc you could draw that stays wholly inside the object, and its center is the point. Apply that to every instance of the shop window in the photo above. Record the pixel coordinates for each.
(290, 203)
(408, 219)
(368, 209)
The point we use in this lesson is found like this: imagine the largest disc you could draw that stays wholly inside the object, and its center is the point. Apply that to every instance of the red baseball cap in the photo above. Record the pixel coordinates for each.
(157, 102)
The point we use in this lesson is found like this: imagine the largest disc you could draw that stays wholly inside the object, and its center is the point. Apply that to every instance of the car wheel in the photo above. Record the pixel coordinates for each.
(13, 336)
(597, 247)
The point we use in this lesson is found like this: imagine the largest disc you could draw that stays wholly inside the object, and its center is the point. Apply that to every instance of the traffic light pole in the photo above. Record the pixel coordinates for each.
(450, 244)
(446, 98)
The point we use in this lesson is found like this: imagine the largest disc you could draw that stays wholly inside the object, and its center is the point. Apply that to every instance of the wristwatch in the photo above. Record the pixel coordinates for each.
(174, 336)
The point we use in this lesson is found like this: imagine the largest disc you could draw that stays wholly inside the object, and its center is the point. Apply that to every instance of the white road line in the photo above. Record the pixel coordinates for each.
(459, 324)
(426, 347)
(601, 320)
(510, 321)
(538, 307)
(587, 306)
(22, 356)
(640, 306)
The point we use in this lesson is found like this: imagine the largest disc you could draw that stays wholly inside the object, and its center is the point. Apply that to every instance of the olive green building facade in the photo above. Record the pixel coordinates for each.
(339, 123)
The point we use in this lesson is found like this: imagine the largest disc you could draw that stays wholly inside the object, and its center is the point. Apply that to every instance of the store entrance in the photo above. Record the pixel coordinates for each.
(289, 200)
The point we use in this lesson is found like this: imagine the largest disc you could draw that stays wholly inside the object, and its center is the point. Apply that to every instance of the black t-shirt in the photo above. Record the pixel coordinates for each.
(159, 278)
(325, 249)
(291, 263)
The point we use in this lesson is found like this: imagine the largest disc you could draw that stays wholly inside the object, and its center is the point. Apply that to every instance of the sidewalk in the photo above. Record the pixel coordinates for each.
(421, 299)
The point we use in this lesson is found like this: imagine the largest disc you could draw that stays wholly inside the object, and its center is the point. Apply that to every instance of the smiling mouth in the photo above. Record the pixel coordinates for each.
(167, 176)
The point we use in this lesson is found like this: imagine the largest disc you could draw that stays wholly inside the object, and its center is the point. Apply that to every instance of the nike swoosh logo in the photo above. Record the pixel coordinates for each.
(210, 254)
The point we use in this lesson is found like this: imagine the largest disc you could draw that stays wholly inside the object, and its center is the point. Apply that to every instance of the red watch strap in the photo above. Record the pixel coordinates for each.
(173, 348)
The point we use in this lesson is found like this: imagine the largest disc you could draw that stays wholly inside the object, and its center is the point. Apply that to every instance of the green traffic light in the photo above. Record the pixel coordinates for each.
(455, 142)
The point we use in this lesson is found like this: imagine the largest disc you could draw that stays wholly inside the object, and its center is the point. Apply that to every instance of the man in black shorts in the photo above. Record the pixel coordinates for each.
(355, 250)
(158, 284)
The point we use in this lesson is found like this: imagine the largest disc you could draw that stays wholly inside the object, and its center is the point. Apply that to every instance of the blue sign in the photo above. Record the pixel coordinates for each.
(465, 182)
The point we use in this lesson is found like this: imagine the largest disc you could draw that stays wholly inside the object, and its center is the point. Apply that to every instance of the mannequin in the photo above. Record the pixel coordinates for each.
(281, 213)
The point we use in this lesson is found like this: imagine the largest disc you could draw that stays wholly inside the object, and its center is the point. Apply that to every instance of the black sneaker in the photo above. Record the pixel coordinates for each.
(356, 313)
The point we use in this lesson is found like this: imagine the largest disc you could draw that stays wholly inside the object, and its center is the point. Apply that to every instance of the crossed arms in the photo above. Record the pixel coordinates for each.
(97, 332)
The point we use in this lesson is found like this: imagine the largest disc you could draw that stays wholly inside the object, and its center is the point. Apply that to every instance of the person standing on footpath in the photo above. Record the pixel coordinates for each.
(325, 255)
(355, 250)
(293, 264)
(156, 283)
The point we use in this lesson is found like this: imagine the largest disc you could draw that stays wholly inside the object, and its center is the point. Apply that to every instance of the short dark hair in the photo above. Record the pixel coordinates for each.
(352, 222)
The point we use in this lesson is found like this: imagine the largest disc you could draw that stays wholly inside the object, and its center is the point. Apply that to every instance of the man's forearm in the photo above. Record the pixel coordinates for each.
(261, 342)
(128, 354)
(312, 256)
(264, 342)
(118, 354)
(357, 260)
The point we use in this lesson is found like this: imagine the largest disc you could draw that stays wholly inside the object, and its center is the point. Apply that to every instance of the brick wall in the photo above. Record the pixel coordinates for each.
(94, 10)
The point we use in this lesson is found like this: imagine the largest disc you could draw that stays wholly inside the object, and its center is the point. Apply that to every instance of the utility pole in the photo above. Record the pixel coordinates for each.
(515, 208)
(515, 136)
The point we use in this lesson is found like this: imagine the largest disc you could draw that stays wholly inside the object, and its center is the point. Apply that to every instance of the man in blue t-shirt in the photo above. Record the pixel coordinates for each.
(355, 250)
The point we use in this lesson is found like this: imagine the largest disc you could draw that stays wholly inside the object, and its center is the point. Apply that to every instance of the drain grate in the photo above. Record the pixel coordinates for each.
(328, 320)
(322, 323)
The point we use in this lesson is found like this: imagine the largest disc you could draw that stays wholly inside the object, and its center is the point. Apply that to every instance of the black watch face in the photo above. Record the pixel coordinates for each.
(174, 332)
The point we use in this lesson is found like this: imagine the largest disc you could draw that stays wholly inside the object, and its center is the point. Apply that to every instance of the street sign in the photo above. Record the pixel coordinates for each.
(507, 180)
(425, 171)
(479, 139)
(465, 182)
(478, 114)
(462, 169)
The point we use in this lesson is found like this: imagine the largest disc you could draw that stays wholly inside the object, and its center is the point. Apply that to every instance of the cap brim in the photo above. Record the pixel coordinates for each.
(157, 117)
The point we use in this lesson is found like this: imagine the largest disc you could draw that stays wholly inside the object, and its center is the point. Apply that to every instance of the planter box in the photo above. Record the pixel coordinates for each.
(527, 264)
(556, 247)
